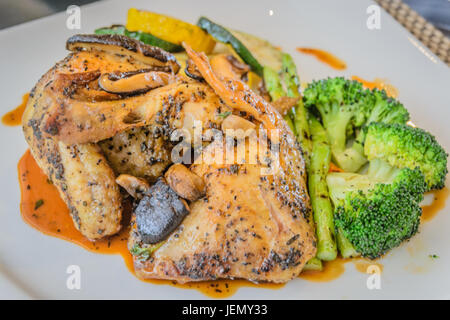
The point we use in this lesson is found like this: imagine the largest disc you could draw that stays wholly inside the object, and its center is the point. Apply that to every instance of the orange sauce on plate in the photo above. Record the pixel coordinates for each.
(362, 265)
(331, 271)
(14, 117)
(430, 211)
(380, 84)
(325, 57)
(43, 209)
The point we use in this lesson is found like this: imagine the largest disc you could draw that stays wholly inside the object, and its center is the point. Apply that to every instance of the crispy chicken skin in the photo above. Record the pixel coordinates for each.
(141, 152)
(67, 115)
(247, 226)
(80, 172)
(145, 151)
(69, 91)
(250, 224)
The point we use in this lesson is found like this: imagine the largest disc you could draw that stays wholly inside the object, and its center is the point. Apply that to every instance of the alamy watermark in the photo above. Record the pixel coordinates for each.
(373, 282)
(73, 281)
(374, 20)
(73, 21)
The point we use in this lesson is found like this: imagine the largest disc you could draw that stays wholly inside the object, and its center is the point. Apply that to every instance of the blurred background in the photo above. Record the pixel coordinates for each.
(13, 12)
(433, 29)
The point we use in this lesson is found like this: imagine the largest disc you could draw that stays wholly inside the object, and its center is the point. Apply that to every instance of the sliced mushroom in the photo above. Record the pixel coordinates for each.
(159, 212)
(123, 45)
(235, 122)
(136, 82)
(227, 66)
(185, 183)
(136, 187)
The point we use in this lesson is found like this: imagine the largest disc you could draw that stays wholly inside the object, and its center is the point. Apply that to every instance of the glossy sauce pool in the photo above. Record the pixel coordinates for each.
(43, 209)
(325, 57)
(332, 270)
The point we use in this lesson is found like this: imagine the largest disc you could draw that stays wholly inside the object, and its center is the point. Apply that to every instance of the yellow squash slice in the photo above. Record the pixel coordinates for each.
(170, 29)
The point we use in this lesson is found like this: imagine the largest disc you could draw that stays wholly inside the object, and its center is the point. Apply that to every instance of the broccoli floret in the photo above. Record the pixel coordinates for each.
(386, 110)
(404, 146)
(343, 105)
(378, 211)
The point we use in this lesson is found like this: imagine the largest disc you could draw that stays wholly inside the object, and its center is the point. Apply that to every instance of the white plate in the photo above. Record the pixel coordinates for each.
(34, 265)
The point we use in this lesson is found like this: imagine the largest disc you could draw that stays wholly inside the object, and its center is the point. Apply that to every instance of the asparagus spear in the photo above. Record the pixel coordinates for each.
(275, 88)
(273, 84)
(292, 84)
(313, 264)
(318, 191)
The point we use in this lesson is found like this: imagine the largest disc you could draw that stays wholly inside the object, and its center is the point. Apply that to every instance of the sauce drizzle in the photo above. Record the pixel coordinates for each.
(325, 57)
(380, 84)
(331, 271)
(43, 209)
(14, 117)
(362, 265)
(430, 211)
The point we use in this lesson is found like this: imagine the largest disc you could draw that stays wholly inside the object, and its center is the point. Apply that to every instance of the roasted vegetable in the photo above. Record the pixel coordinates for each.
(169, 29)
(318, 192)
(144, 37)
(262, 50)
(159, 212)
(131, 83)
(184, 182)
(274, 86)
(299, 115)
(223, 35)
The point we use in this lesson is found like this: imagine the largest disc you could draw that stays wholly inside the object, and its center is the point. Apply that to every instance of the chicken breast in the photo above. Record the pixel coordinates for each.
(247, 226)
(253, 222)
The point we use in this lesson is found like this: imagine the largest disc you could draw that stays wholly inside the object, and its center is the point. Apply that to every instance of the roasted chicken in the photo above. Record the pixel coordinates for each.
(114, 108)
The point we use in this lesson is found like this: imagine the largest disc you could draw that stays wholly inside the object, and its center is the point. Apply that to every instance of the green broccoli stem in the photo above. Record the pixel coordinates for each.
(336, 123)
(314, 264)
(345, 247)
(380, 170)
(318, 191)
(292, 84)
